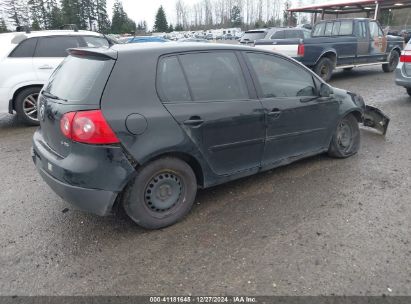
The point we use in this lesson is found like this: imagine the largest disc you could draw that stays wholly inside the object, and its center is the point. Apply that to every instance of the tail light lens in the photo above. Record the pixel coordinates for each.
(301, 50)
(88, 127)
(405, 56)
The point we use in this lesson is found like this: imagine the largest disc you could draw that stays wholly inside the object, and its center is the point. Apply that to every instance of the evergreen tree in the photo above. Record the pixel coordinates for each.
(179, 28)
(120, 23)
(55, 18)
(170, 28)
(160, 24)
(103, 22)
(17, 12)
(71, 12)
(3, 27)
(236, 16)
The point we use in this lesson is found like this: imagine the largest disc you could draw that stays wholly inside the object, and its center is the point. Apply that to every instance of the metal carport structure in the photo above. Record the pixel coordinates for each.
(340, 7)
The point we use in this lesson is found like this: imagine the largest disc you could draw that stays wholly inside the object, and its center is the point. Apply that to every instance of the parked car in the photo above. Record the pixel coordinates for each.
(228, 36)
(342, 44)
(403, 71)
(283, 36)
(143, 39)
(252, 35)
(27, 60)
(183, 116)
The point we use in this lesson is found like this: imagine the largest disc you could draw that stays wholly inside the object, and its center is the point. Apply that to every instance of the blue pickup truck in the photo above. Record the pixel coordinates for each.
(341, 44)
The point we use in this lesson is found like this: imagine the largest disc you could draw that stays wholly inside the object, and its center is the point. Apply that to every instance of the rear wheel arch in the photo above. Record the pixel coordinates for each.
(19, 90)
(187, 158)
(330, 54)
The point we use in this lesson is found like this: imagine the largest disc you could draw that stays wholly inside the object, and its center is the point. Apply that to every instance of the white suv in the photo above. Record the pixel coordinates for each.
(27, 60)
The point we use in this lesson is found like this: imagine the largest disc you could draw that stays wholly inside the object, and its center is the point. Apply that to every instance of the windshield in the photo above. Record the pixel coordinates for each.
(79, 79)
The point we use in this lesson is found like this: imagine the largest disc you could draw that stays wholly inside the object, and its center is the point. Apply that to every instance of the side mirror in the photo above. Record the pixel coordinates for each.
(325, 90)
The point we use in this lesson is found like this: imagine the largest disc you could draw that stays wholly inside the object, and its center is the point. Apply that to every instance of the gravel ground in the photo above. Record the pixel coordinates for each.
(319, 226)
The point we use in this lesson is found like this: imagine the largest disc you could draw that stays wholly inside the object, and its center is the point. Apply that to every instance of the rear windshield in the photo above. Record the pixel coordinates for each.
(251, 36)
(80, 80)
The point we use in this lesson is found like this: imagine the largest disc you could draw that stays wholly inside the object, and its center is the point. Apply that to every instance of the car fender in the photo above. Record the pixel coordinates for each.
(22, 85)
(324, 53)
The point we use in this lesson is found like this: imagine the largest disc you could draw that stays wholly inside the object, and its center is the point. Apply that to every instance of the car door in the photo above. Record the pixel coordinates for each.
(215, 109)
(378, 42)
(50, 52)
(298, 119)
(17, 68)
(363, 42)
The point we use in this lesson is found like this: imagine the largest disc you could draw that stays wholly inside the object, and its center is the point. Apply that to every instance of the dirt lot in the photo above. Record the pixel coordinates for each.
(319, 226)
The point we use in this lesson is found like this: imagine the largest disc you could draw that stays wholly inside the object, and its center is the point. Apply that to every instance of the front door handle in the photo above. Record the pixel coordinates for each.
(45, 67)
(194, 121)
(274, 113)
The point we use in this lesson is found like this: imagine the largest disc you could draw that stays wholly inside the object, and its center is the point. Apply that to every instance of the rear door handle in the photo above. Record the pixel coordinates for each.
(194, 121)
(274, 113)
(45, 67)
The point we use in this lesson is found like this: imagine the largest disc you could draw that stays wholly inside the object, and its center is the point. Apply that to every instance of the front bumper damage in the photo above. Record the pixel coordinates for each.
(376, 119)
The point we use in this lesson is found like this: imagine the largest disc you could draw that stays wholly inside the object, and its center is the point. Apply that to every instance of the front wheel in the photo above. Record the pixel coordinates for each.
(409, 91)
(161, 194)
(324, 68)
(393, 60)
(346, 138)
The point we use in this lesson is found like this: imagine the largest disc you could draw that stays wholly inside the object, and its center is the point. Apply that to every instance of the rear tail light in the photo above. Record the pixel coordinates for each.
(301, 50)
(405, 56)
(88, 127)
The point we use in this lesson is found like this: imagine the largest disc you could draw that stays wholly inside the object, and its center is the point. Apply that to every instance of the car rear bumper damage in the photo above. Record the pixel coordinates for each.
(95, 201)
(91, 185)
(376, 119)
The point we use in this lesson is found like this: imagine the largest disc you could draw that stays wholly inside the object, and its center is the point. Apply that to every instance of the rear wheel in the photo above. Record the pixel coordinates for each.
(161, 194)
(26, 106)
(324, 68)
(346, 138)
(393, 60)
(409, 91)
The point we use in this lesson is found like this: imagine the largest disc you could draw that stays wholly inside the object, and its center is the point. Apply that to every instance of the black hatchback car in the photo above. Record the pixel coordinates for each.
(145, 126)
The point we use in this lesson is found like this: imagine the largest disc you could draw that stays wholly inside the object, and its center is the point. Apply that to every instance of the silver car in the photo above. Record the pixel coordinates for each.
(403, 71)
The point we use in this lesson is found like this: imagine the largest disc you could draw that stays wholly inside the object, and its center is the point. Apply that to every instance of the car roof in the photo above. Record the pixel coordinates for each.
(175, 47)
(26, 35)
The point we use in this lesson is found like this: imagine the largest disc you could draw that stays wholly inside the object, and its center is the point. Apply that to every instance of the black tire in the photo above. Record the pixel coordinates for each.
(409, 91)
(161, 193)
(25, 106)
(393, 60)
(346, 138)
(347, 69)
(324, 68)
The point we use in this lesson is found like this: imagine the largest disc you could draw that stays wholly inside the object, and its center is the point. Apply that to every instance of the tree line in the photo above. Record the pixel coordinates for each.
(53, 14)
(92, 15)
(205, 14)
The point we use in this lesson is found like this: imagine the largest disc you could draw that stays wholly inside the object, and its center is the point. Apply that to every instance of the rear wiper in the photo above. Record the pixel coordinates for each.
(52, 96)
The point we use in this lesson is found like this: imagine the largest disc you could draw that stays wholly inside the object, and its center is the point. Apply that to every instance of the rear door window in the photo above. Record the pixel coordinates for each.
(25, 48)
(55, 46)
(214, 76)
(80, 80)
(171, 82)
